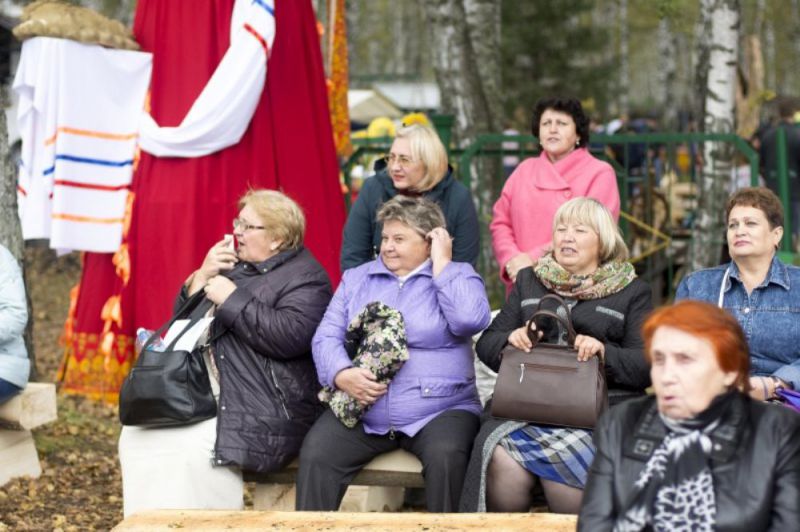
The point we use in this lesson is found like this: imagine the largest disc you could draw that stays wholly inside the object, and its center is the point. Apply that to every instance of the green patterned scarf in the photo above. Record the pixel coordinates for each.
(608, 279)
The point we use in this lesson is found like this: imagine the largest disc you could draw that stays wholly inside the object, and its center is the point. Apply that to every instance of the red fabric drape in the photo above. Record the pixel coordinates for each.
(183, 206)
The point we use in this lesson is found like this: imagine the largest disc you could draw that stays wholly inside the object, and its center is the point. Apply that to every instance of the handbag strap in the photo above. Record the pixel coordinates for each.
(722, 286)
(191, 303)
(566, 322)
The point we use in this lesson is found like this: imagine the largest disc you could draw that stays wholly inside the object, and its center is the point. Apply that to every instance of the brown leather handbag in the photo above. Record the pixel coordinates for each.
(549, 386)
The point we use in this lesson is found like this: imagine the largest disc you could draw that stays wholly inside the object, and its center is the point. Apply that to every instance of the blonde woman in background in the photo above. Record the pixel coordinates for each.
(416, 165)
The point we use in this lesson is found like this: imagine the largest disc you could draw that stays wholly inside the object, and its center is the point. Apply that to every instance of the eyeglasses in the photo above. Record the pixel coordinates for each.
(239, 224)
(402, 160)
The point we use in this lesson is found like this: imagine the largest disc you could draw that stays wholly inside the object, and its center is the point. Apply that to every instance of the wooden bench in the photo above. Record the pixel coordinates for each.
(378, 487)
(207, 520)
(34, 407)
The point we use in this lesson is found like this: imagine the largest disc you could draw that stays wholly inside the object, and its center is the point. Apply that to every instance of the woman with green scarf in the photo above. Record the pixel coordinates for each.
(587, 267)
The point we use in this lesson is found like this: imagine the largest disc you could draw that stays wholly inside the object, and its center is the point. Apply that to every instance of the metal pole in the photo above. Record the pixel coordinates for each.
(783, 188)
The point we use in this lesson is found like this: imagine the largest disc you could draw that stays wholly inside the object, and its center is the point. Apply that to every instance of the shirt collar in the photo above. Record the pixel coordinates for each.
(778, 274)
(415, 271)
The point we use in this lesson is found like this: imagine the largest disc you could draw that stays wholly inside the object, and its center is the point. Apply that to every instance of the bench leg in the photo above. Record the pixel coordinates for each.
(274, 497)
(18, 455)
(372, 499)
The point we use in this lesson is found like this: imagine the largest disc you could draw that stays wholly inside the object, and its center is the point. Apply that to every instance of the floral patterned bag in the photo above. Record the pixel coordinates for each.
(375, 340)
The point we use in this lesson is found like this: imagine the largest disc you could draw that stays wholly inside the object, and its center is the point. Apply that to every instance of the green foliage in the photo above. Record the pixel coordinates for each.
(554, 48)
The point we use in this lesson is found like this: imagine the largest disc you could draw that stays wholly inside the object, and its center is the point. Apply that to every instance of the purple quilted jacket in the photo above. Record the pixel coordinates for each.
(440, 314)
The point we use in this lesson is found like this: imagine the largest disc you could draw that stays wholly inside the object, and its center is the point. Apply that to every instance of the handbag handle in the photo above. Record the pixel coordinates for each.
(189, 305)
(554, 297)
(567, 323)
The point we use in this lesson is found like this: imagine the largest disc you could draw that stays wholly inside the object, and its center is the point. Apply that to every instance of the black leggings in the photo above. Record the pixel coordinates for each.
(332, 455)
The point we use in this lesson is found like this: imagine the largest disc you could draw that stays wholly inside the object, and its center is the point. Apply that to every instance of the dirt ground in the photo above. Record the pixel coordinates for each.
(80, 487)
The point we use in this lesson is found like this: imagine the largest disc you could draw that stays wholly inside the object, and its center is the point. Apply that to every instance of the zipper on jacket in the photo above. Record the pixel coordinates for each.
(391, 433)
(216, 458)
(281, 397)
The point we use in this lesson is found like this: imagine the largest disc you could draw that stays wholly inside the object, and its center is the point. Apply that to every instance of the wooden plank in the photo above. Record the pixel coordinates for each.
(18, 455)
(32, 408)
(372, 499)
(398, 460)
(397, 468)
(281, 497)
(274, 497)
(208, 520)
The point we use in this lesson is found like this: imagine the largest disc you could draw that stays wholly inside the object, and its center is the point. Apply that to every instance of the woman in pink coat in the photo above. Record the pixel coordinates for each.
(523, 215)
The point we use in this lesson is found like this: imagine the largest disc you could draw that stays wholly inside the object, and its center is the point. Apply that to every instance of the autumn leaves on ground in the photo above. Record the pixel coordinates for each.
(80, 487)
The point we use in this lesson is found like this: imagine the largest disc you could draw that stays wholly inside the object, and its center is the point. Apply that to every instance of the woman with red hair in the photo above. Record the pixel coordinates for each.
(700, 454)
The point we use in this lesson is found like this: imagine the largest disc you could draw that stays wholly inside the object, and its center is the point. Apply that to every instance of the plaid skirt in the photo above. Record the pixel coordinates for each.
(553, 453)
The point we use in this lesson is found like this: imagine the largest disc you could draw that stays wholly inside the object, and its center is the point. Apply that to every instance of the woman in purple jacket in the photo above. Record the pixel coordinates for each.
(430, 408)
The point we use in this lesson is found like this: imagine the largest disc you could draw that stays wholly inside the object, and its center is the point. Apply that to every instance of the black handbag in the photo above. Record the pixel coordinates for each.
(549, 385)
(168, 388)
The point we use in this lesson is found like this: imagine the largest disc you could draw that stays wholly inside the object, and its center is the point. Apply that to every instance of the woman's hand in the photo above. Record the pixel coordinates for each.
(588, 347)
(519, 338)
(441, 248)
(513, 266)
(218, 289)
(763, 388)
(360, 384)
(220, 258)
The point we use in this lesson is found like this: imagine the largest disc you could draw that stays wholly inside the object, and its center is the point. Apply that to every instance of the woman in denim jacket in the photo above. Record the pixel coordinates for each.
(762, 292)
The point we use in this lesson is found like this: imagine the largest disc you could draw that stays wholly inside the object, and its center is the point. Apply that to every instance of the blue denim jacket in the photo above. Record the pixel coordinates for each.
(770, 315)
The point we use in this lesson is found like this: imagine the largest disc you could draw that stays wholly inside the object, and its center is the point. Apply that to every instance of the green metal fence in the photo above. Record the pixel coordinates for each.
(657, 176)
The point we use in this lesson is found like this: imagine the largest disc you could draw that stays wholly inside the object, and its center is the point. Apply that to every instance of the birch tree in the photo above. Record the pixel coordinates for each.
(667, 51)
(465, 43)
(624, 60)
(722, 18)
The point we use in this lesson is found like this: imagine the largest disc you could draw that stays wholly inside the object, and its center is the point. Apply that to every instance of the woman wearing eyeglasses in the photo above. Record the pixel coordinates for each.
(415, 166)
(269, 295)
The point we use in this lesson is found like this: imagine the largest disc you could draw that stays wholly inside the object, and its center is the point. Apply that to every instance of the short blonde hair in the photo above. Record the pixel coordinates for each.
(592, 213)
(281, 215)
(426, 147)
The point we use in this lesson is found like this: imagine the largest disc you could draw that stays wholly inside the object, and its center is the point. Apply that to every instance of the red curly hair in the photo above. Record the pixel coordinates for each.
(710, 323)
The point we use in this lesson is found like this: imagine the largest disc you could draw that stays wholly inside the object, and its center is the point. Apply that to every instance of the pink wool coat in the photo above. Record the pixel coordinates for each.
(523, 215)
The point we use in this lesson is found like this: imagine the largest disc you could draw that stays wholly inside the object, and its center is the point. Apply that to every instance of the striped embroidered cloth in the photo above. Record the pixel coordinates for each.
(78, 116)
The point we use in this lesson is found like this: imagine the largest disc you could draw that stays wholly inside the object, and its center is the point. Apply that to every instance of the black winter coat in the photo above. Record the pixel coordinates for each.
(362, 233)
(268, 383)
(615, 320)
(755, 464)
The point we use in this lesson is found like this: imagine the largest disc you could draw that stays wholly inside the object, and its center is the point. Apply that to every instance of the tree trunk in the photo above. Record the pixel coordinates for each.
(769, 56)
(667, 51)
(701, 62)
(465, 43)
(10, 228)
(750, 90)
(466, 57)
(624, 61)
(720, 117)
